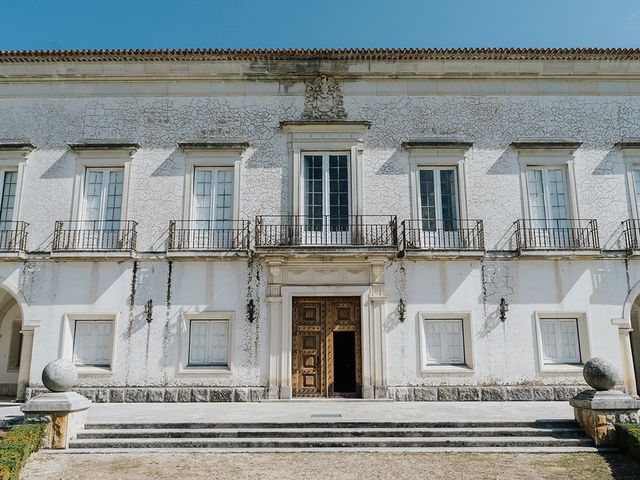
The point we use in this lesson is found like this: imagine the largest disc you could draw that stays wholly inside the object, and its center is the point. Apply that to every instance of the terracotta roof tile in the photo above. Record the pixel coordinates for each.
(33, 56)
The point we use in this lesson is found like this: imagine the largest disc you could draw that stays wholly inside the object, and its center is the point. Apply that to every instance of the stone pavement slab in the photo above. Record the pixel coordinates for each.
(317, 411)
(330, 411)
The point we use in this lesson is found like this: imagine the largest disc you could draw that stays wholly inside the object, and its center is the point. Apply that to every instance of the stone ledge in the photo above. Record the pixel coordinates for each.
(189, 394)
(184, 394)
(604, 400)
(56, 402)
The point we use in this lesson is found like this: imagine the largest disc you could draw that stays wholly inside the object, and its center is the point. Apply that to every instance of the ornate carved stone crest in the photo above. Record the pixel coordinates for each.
(323, 100)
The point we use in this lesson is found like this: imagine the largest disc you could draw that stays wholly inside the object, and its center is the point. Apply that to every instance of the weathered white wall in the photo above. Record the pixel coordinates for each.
(157, 115)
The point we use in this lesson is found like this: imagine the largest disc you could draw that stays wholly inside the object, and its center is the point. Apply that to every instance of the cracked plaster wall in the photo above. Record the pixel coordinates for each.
(156, 196)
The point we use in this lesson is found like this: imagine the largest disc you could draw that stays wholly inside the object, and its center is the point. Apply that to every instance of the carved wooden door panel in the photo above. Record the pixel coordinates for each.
(308, 356)
(317, 323)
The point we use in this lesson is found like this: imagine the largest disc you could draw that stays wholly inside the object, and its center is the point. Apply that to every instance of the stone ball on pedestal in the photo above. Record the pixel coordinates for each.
(60, 375)
(600, 373)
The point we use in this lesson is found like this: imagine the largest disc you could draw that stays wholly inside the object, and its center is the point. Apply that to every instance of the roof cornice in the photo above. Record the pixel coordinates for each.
(367, 54)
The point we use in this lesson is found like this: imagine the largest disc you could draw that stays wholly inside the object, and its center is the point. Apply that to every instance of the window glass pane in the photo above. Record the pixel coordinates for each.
(560, 342)
(8, 199)
(338, 191)
(636, 180)
(448, 199)
(313, 192)
(444, 342)
(427, 199)
(557, 197)
(202, 192)
(93, 342)
(224, 198)
(208, 342)
(198, 343)
(536, 198)
(93, 195)
(114, 200)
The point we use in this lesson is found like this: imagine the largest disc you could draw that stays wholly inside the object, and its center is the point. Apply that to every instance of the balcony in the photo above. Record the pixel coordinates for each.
(13, 238)
(564, 236)
(322, 232)
(117, 238)
(202, 236)
(631, 236)
(446, 237)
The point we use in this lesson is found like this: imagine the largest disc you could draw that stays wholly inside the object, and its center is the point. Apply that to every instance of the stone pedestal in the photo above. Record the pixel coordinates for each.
(64, 412)
(597, 411)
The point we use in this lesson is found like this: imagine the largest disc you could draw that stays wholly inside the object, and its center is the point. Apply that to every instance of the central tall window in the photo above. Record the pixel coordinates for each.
(326, 192)
(103, 198)
(548, 204)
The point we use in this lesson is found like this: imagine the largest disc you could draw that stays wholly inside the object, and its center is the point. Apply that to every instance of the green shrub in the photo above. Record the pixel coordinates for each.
(628, 438)
(16, 446)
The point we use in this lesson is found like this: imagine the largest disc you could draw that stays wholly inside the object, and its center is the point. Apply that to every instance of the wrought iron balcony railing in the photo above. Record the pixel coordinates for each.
(361, 231)
(631, 234)
(95, 236)
(208, 236)
(566, 234)
(13, 236)
(443, 235)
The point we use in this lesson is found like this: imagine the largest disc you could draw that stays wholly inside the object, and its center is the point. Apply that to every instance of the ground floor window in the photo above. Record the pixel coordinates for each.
(209, 343)
(444, 340)
(560, 340)
(93, 342)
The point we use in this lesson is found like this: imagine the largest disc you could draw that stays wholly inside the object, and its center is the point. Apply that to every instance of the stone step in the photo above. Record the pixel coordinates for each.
(329, 432)
(501, 449)
(550, 424)
(322, 442)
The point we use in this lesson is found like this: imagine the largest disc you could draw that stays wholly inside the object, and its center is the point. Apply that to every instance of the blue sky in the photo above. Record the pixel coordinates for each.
(74, 24)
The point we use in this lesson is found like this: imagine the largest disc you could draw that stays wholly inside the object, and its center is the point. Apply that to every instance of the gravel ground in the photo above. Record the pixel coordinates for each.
(343, 466)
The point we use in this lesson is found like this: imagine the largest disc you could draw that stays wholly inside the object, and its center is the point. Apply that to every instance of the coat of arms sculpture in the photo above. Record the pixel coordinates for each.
(323, 100)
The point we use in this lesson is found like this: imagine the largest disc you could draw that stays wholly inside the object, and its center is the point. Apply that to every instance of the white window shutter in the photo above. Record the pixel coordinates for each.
(560, 342)
(444, 341)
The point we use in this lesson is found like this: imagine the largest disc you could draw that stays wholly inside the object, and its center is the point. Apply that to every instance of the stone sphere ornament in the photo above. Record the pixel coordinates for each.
(600, 373)
(60, 375)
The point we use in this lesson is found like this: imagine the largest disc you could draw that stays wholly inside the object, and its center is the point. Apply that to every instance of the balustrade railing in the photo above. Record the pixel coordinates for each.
(371, 231)
(94, 236)
(13, 236)
(443, 235)
(208, 235)
(565, 234)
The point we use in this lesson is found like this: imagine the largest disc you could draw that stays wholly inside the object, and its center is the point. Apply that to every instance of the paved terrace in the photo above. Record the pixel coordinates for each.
(317, 411)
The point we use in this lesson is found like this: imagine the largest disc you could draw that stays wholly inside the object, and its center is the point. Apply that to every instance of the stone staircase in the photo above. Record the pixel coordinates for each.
(539, 436)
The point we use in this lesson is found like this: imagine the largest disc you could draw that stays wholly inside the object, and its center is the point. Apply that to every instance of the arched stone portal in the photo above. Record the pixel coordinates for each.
(16, 343)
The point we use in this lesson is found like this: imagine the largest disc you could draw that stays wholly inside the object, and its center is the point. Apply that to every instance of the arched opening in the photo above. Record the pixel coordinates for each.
(634, 337)
(11, 345)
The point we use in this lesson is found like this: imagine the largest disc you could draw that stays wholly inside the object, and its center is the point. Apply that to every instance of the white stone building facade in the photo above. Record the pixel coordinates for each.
(232, 226)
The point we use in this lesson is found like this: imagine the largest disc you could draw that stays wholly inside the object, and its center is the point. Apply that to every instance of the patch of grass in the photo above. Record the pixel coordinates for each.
(16, 446)
(628, 437)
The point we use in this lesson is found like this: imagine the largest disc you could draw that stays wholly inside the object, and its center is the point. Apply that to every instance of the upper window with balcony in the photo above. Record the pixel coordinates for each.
(210, 221)
(439, 222)
(99, 221)
(551, 221)
(631, 227)
(13, 232)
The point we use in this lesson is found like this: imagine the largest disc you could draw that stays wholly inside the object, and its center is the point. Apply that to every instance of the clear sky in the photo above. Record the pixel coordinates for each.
(76, 24)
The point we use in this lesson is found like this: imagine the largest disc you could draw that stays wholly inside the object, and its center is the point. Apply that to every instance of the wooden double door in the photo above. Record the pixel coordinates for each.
(326, 354)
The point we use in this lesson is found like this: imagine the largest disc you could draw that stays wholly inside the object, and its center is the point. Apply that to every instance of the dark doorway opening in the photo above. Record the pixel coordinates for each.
(344, 363)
